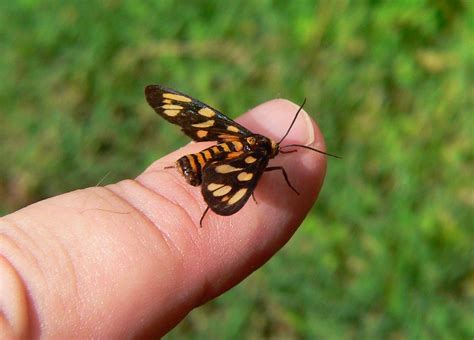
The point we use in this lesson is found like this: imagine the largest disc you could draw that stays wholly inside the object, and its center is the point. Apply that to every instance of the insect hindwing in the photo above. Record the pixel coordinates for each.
(227, 184)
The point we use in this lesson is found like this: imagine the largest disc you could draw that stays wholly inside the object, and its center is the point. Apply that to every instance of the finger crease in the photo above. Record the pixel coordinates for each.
(154, 226)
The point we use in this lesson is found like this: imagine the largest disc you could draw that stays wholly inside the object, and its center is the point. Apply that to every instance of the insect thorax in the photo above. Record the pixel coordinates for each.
(264, 144)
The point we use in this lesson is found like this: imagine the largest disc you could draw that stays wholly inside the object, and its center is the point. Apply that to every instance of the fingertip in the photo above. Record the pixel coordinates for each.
(305, 169)
(273, 119)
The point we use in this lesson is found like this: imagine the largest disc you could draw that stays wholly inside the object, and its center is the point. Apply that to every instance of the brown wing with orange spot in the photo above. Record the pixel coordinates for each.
(196, 119)
(228, 183)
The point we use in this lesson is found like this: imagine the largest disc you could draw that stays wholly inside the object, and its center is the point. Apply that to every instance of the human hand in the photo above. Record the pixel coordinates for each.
(129, 259)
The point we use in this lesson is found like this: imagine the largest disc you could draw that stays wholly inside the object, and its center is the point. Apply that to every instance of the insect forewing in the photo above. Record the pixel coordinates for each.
(196, 119)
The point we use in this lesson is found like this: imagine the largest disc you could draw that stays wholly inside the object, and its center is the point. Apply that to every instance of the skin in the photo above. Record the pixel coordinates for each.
(129, 259)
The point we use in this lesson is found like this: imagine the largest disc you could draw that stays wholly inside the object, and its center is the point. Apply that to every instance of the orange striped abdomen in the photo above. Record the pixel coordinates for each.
(191, 165)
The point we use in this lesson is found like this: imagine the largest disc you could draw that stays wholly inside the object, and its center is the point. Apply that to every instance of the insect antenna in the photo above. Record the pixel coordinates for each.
(293, 122)
(310, 148)
(299, 145)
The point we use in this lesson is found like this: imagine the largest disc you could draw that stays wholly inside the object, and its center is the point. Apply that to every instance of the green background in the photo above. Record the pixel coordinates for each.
(387, 251)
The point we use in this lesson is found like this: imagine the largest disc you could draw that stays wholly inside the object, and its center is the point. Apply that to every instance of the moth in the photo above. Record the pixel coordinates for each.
(228, 172)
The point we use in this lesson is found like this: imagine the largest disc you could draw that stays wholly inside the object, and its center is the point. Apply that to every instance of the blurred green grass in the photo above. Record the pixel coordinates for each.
(388, 249)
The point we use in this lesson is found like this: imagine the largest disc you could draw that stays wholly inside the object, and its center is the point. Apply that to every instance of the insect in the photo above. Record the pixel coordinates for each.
(228, 172)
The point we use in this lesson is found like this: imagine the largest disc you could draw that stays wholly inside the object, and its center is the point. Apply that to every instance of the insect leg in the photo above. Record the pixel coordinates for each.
(254, 199)
(202, 217)
(290, 151)
(273, 168)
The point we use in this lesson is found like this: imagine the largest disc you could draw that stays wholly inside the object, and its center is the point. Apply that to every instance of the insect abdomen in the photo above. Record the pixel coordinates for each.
(191, 165)
(190, 169)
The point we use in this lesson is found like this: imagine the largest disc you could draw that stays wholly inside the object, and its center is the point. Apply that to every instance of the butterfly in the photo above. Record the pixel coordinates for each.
(227, 172)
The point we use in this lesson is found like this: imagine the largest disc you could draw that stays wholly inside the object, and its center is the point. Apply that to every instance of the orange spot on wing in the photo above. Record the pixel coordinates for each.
(232, 155)
(228, 138)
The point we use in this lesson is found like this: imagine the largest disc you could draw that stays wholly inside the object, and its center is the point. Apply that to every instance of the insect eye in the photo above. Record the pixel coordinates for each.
(251, 140)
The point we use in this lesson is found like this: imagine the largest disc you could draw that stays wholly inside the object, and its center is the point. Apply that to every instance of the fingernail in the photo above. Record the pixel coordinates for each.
(309, 127)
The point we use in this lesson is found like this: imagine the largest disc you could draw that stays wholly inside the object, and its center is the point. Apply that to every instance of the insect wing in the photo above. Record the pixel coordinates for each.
(196, 119)
(227, 184)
